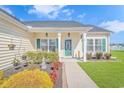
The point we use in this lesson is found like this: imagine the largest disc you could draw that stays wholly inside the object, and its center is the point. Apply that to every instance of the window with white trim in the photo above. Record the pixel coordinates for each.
(98, 45)
(44, 45)
(89, 45)
(52, 45)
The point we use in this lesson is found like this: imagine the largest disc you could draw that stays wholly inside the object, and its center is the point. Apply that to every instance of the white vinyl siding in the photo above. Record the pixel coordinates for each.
(10, 34)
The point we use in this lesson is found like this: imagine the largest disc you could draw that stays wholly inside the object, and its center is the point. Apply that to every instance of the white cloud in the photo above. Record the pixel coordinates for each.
(46, 10)
(6, 9)
(68, 12)
(114, 25)
(81, 16)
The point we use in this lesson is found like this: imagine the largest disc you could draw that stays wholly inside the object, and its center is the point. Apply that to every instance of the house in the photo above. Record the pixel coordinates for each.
(117, 46)
(68, 38)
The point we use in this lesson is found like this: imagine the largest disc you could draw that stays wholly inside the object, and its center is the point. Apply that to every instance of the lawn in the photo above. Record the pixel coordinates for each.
(118, 54)
(106, 74)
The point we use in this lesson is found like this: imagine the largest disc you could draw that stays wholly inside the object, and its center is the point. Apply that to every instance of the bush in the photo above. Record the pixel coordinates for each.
(107, 56)
(52, 57)
(37, 56)
(89, 55)
(98, 55)
(32, 55)
(1, 74)
(29, 79)
(2, 79)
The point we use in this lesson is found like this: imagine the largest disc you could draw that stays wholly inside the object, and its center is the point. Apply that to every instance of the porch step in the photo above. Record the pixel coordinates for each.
(68, 57)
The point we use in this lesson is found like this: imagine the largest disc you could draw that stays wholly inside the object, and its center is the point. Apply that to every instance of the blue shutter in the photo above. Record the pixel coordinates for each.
(38, 43)
(103, 45)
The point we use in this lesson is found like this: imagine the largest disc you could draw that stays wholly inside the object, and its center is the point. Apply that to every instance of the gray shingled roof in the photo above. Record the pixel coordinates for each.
(54, 24)
(57, 24)
(63, 24)
(11, 16)
(98, 29)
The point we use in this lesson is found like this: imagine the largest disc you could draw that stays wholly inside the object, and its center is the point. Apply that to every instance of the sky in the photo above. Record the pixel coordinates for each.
(107, 17)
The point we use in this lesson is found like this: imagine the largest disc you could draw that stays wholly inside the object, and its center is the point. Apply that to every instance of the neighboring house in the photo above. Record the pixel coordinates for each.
(68, 38)
(117, 46)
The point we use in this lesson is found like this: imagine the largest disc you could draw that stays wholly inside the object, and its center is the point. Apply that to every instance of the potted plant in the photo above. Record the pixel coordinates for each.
(11, 46)
(98, 55)
(16, 62)
(107, 56)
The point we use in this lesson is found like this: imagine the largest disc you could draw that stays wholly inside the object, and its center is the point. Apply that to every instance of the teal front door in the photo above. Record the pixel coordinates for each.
(68, 47)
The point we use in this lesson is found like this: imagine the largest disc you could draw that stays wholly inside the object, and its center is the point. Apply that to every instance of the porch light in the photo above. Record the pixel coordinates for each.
(46, 34)
(68, 34)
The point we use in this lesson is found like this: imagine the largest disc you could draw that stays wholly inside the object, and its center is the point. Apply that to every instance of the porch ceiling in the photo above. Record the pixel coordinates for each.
(60, 29)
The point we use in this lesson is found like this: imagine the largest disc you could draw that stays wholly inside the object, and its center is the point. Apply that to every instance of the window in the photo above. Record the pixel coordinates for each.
(68, 45)
(98, 45)
(103, 45)
(89, 45)
(38, 43)
(44, 45)
(52, 45)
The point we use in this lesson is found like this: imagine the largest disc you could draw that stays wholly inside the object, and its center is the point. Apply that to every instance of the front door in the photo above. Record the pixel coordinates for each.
(68, 47)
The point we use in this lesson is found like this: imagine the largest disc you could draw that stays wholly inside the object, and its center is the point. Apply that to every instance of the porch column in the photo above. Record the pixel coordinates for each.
(93, 45)
(85, 47)
(59, 46)
(48, 45)
(108, 44)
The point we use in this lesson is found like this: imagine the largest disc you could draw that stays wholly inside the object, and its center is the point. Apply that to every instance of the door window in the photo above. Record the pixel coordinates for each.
(68, 45)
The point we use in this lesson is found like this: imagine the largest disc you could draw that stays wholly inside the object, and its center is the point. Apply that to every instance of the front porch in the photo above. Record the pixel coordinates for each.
(67, 44)
(71, 44)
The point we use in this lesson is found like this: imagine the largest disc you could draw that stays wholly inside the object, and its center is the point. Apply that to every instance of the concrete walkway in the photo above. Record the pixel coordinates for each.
(76, 76)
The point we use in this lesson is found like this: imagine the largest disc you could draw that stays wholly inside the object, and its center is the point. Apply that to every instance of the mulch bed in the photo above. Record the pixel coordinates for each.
(21, 67)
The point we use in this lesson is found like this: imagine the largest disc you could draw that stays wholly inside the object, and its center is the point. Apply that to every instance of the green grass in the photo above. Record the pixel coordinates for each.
(118, 54)
(106, 74)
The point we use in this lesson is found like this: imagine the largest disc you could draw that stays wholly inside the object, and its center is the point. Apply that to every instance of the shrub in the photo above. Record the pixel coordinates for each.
(98, 55)
(52, 56)
(107, 56)
(29, 79)
(56, 65)
(2, 79)
(37, 56)
(89, 55)
(32, 55)
(1, 74)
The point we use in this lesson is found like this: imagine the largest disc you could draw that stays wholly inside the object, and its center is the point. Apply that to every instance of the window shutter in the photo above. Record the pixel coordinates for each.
(38, 43)
(103, 45)
(57, 43)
